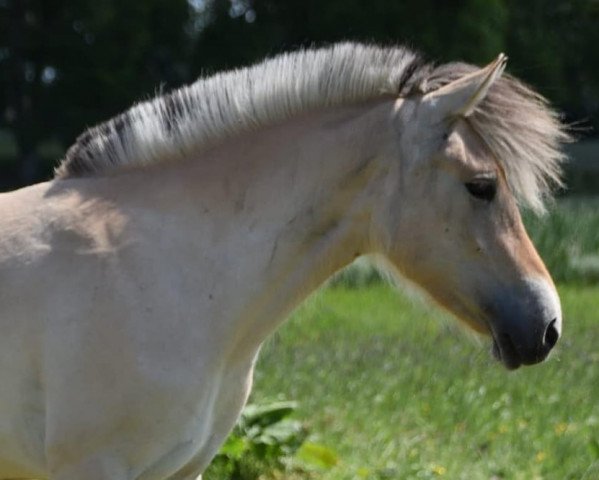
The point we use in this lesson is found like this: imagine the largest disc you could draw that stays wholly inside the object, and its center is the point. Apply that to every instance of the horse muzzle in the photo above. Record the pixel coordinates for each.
(525, 323)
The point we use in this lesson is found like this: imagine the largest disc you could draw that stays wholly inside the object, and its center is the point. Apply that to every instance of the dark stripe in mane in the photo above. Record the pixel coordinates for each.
(406, 80)
(174, 110)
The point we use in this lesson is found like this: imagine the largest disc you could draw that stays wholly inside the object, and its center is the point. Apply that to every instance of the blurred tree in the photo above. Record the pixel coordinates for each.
(65, 64)
(481, 27)
(553, 45)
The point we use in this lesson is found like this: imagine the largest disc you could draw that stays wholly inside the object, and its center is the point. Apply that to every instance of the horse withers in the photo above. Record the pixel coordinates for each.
(138, 285)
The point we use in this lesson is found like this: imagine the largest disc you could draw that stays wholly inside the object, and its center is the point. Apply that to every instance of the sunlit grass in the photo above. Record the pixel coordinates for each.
(399, 393)
(568, 239)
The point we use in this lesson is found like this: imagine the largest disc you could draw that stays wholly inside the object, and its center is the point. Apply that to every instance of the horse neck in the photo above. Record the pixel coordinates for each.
(282, 209)
(300, 198)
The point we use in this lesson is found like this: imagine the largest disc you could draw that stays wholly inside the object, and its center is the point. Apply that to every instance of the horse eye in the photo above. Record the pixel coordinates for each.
(482, 189)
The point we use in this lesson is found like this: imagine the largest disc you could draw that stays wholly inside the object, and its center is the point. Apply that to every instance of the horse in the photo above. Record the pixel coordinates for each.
(139, 283)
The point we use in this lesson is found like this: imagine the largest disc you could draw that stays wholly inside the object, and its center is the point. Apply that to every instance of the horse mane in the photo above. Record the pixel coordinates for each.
(197, 116)
(517, 123)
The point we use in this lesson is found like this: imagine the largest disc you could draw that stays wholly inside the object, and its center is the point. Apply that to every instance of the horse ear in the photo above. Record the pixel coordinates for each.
(460, 97)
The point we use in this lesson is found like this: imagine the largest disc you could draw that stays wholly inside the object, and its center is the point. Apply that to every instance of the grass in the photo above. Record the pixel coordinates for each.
(399, 392)
(567, 239)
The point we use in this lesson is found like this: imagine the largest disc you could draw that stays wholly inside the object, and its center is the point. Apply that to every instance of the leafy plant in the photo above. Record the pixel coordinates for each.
(265, 441)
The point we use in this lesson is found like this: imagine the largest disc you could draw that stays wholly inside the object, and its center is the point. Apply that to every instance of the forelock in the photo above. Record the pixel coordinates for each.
(521, 129)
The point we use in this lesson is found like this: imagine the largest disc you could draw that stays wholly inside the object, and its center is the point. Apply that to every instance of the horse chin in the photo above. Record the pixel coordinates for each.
(502, 347)
(504, 351)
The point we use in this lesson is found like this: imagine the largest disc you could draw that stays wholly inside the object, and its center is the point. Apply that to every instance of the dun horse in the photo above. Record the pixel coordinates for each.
(138, 285)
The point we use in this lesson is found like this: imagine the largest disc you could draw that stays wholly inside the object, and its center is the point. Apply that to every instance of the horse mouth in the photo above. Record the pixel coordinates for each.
(505, 351)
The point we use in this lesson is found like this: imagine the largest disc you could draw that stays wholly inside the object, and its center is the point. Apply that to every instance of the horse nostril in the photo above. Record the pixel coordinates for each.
(551, 335)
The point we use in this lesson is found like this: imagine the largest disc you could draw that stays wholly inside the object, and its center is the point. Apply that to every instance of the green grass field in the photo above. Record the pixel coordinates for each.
(398, 391)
